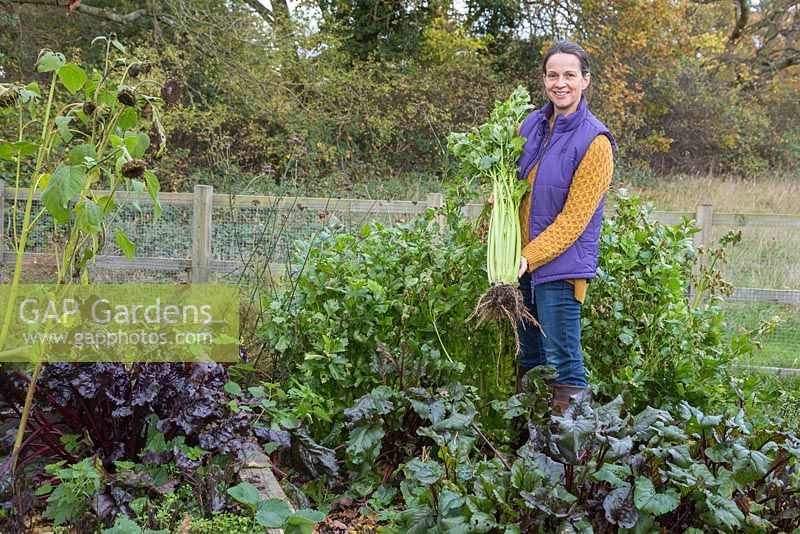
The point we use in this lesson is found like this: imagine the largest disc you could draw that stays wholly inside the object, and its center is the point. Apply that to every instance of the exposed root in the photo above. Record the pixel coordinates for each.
(504, 303)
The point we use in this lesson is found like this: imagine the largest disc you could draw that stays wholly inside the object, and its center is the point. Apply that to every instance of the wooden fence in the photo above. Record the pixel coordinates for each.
(203, 201)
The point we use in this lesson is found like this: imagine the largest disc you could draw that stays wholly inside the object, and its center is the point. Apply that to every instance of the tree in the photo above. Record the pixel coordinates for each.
(276, 14)
(379, 29)
(766, 36)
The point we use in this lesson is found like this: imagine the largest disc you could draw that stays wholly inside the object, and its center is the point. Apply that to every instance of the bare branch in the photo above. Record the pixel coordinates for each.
(279, 14)
(741, 20)
(98, 12)
(263, 11)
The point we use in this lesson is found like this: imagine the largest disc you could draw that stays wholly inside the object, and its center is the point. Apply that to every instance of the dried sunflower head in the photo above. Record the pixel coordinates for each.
(89, 107)
(171, 92)
(8, 96)
(126, 97)
(134, 168)
(133, 71)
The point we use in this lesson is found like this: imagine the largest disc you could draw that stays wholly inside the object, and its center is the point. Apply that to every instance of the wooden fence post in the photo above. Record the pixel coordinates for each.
(436, 201)
(702, 240)
(2, 220)
(201, 234)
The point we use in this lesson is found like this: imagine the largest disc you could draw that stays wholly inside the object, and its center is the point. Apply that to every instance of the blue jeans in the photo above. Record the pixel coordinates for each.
(556, 309)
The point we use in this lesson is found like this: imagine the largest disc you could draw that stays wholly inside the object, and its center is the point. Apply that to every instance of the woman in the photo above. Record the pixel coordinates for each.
(568, 160)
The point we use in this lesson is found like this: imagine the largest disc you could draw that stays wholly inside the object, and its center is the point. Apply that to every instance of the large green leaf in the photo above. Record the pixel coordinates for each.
(614, 474)
(123, 525)
(649, 501)
(72, 76)
(643, 421)
(88, 216)
(423, 471)
(374, 404)
(572, 435)
(722, 511)
(617, 447)
(430, 409)
(127, 118)
(273, 513)
(62, 125)
(50, 61)
(418, 520)
(30, 93)
(9, 150)
(125, 245)
(364, 443)
(78, 154)
(245, 493)
(153, 187)
(680, 455)
(64, 184)
(303, 521)
(142, 142)
(749, 465)
(609, 415)
(703, 420)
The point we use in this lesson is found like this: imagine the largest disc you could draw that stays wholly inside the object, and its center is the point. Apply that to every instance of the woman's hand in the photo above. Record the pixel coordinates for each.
(490, 200)
(523, 266)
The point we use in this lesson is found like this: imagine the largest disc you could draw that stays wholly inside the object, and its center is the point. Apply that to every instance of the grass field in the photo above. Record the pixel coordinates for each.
(765, 257)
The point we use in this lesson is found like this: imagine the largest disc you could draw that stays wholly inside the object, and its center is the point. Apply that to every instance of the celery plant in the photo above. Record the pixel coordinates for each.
(490, 154)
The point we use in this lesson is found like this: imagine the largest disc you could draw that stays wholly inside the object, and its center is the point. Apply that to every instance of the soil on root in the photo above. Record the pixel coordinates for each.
(504, 303)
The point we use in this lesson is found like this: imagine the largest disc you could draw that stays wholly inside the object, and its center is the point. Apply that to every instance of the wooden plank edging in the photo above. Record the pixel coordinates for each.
(257, 470)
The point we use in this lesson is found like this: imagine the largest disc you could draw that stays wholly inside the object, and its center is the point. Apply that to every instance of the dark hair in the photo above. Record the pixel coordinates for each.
(567, 47)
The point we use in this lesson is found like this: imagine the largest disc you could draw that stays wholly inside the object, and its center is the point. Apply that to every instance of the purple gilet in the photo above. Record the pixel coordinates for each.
(558, 161)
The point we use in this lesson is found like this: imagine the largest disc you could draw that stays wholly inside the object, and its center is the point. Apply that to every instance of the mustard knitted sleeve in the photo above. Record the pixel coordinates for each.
(589, 184)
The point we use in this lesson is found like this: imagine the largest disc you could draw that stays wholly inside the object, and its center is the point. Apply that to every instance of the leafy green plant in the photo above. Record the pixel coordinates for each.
(641, 334)
(71, 500)
(123, 525)
(227, 522)
(91, 139)
(384, 306)
(490, 154)
(597, 469)
(274, 513)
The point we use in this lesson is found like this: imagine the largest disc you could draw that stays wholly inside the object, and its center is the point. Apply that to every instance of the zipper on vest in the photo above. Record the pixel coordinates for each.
(540, 155)
(538, 163)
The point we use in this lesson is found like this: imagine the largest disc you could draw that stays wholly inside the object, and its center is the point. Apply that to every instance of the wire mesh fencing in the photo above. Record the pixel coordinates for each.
(247, 234)
(765, 257)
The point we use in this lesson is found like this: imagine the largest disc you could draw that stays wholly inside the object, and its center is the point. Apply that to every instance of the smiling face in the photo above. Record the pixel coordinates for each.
(564, 82)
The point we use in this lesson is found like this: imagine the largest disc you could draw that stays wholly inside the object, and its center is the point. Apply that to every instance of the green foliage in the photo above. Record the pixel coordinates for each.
(490, 154)
(275, 513)
(378, 30)
(642, 336)
(364, 88)
(227, 522)
(597, 468)
(91, 136)
(123, 525)
(385, 306)
(71, 500)
(494, 148)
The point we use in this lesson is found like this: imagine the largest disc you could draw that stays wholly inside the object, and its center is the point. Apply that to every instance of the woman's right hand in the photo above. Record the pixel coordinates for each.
(490, 200)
